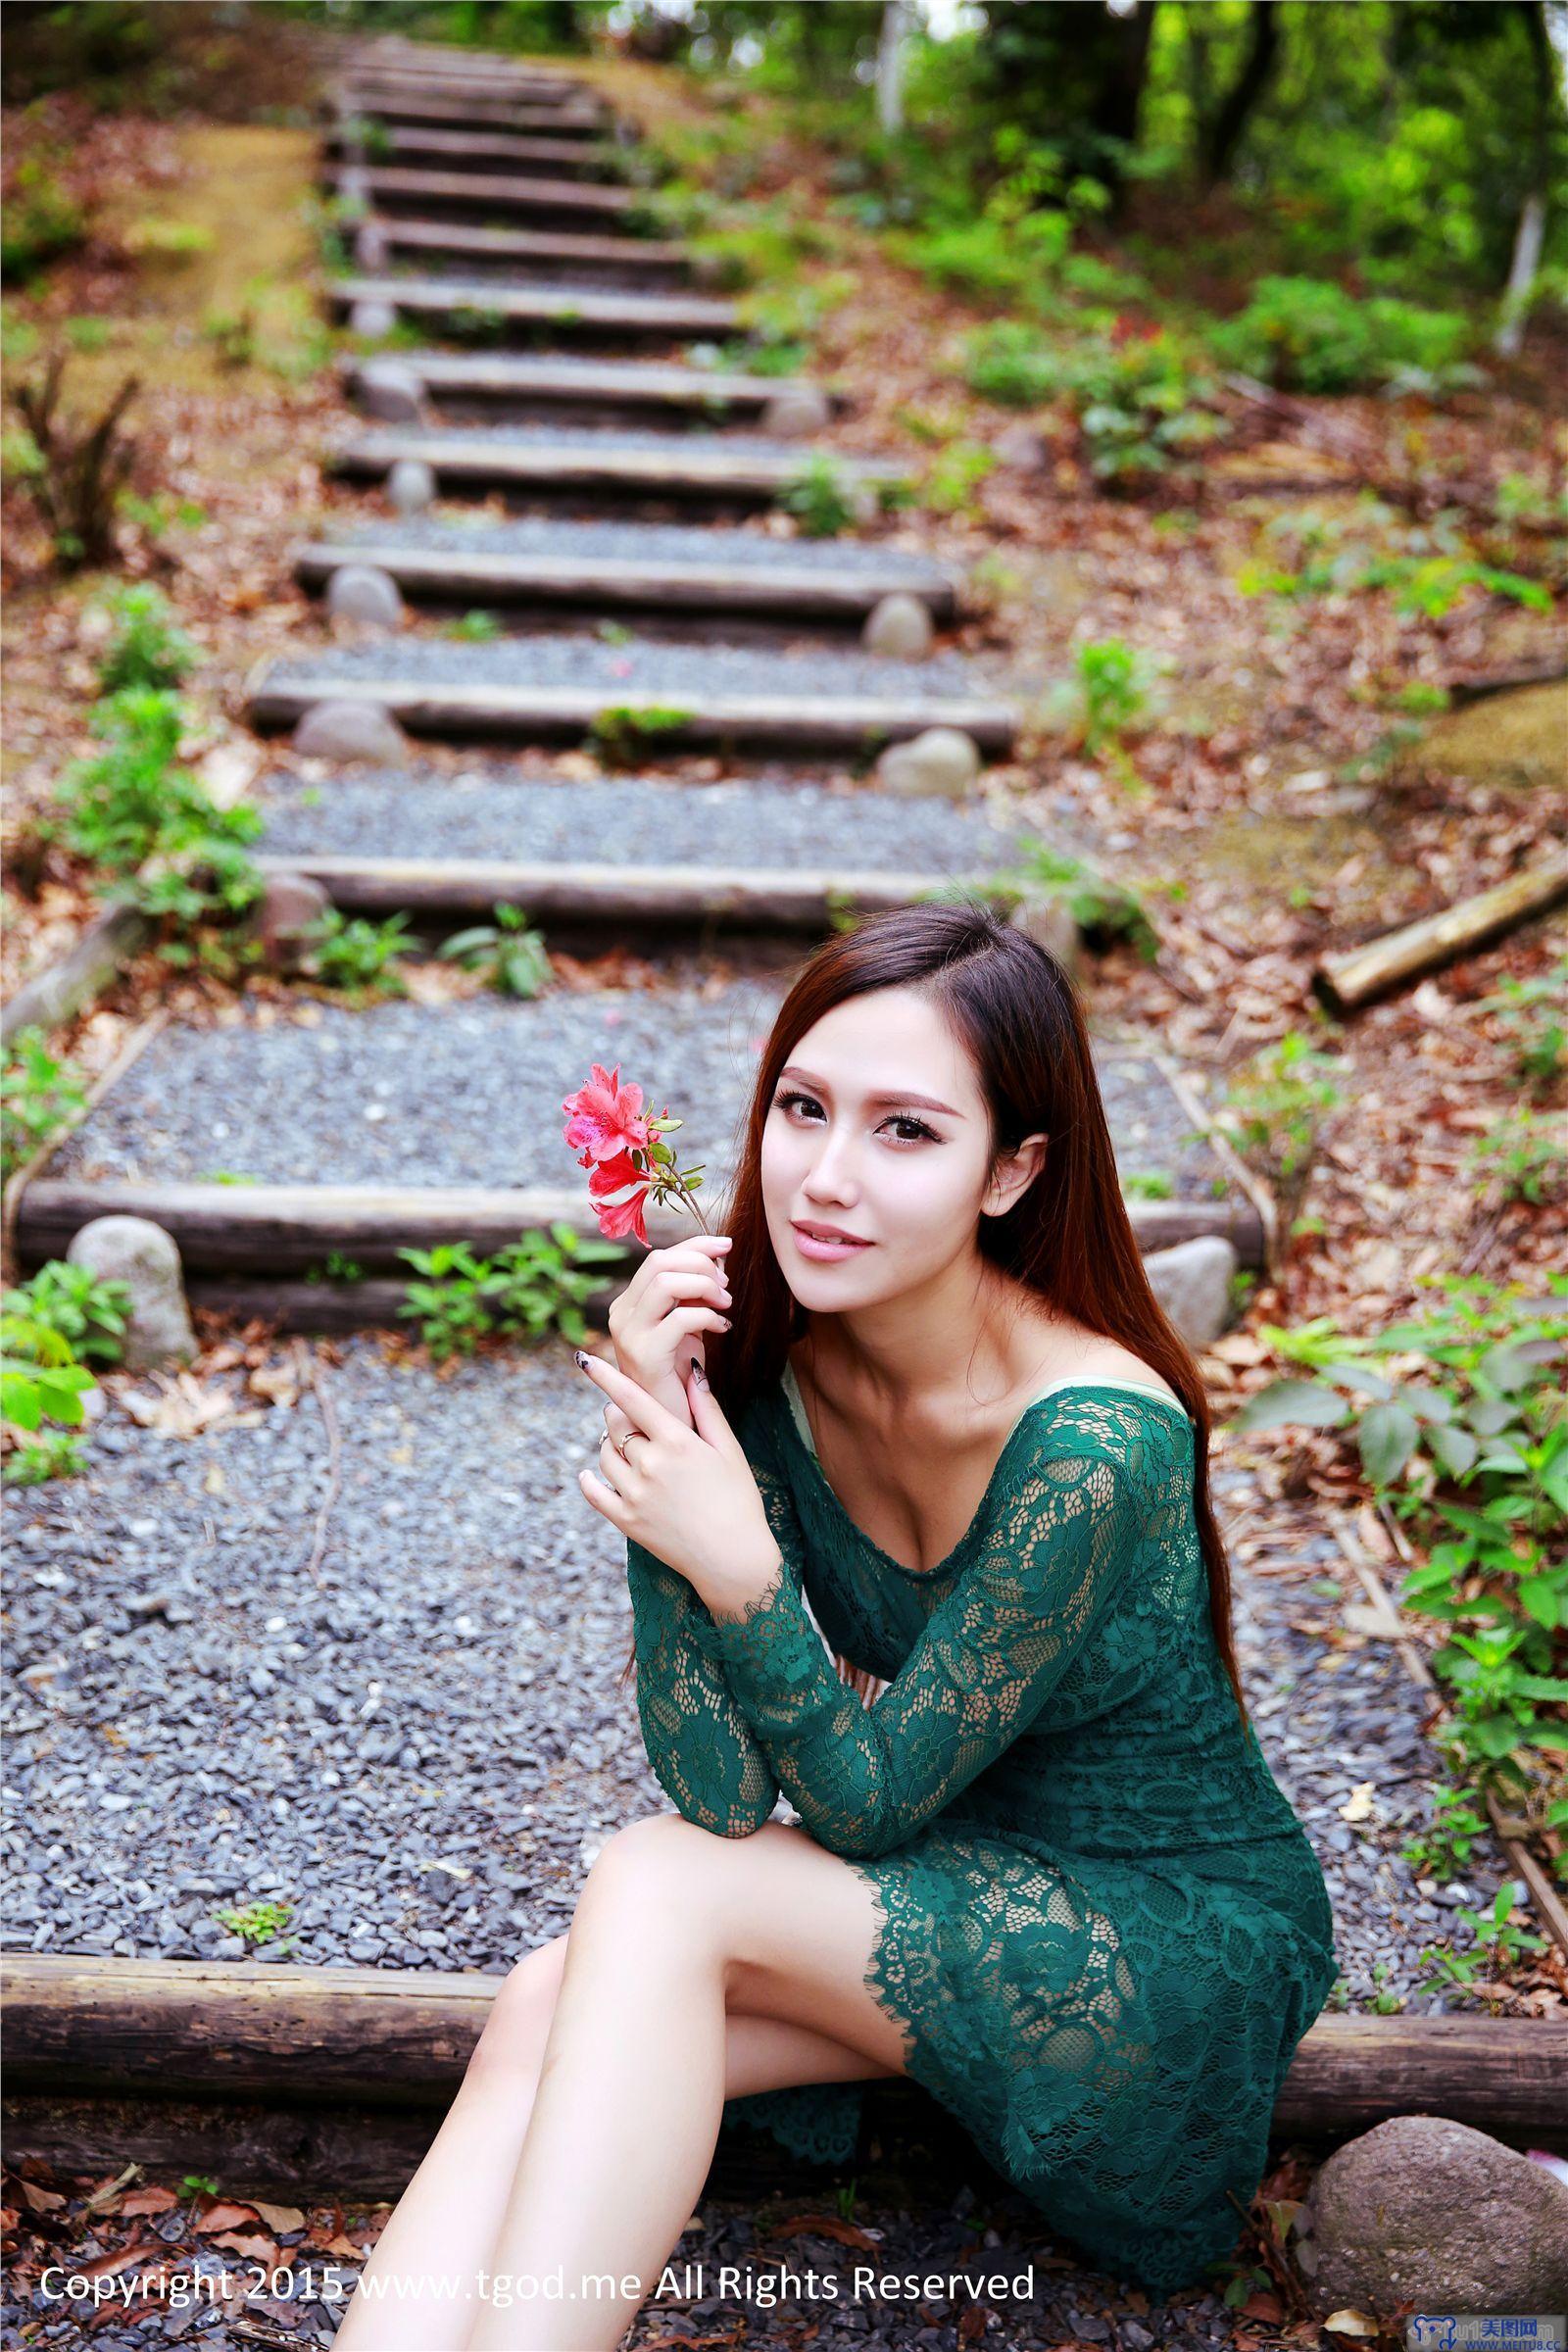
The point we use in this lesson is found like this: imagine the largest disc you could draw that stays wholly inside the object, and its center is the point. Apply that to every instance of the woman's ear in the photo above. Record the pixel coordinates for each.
(1015, 1172)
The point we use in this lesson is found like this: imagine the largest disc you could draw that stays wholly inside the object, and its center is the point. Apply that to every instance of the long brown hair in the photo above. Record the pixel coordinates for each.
(1067, 1236)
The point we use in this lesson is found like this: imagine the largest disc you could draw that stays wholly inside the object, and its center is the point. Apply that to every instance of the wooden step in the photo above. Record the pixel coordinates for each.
(510, 193)
(468, 73)
(569, 688)
(488, 151)
(626, 566)
(558, 252)
(694, 465)
(551, 382)
(386, 102)
(585, 309)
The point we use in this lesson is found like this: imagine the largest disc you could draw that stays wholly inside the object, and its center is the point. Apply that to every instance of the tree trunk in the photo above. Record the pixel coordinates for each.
(1236, 111)
(890, 68)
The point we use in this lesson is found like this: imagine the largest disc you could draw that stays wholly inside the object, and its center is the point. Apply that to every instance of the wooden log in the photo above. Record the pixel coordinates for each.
(1474, 685)
(1349, 981)
(76, 2023)
(289, 1228)
(388, 102)
(490, 193)
(476, 150)
(48, 999)
(673, 896)
(688, 467)
(634, 384)
(793, 584)
(542, 248)
(593, 308)
(852, 724)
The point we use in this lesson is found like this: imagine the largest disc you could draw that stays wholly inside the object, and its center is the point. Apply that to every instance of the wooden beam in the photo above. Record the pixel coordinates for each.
(48, 999)
(596, 309)
(688, 467)
(490, 193)
(472, 150)
(542, 247)
(1361, 975)
(848, 722)
(288, 1228)
(792, 585)
(387, 102)
(747, 898)
(401, 2037)
(597, 383)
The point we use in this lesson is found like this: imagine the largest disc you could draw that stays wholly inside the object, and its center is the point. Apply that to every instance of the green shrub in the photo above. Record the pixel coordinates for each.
(820, 496)
(40, 1381)
(1009, 361)
(513, 954)
(533, 1286)
(355, 953)
(41, 222)
(84, 1309)
(37, 1094)
(1308, 333)
(146, 648)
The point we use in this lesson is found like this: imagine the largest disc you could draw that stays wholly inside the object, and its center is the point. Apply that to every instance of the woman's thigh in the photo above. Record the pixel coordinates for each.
(793, 1923)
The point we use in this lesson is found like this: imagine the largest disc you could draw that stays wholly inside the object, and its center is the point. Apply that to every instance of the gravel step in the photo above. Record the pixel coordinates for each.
(564, 384)
(516, 194)
(652, 567)
(663, 694)
(390, 101)
(473, 302)
(295, 1128)
(475, 150)
(539, 459)
(551, 252)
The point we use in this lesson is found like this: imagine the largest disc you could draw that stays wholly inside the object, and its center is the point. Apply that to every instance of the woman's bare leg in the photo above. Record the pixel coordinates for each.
(671, 1928)
(445, 2225)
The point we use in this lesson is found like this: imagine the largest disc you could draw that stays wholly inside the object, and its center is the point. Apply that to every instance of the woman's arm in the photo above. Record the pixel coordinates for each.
(863, 1779)
(705, 1754)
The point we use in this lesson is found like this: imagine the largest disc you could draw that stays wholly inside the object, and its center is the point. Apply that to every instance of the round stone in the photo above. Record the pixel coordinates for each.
(942, 763)
(348, 731)
(371, 248)
(899, 628)
(392, 393)
(373, 319)
(136, 1252)
(797, 414)
(411, 485)
(364, 594)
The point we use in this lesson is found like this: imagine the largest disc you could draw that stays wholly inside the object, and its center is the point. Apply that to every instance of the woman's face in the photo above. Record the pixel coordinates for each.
(877, 1128)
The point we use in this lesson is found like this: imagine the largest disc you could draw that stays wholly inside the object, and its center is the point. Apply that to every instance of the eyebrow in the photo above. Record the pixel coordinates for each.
(876, 1101)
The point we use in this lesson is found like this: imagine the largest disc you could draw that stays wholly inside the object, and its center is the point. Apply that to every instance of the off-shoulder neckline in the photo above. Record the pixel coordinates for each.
(801, 1429)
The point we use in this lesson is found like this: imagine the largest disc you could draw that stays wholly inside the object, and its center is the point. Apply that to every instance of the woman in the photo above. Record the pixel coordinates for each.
(1045, 1871)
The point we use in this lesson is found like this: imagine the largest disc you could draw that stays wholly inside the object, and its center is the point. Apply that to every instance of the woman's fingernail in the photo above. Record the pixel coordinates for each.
(583, 1360)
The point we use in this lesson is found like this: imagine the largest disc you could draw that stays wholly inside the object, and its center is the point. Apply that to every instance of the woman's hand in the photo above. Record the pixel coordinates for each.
(686, 1494)
(655, 1322)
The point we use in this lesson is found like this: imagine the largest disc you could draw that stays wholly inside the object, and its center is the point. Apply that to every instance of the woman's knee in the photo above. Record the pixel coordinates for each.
(661, 1871)
(518, 2026)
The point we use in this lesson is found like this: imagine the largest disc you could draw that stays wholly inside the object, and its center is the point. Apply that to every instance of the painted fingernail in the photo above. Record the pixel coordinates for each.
(583, 1360)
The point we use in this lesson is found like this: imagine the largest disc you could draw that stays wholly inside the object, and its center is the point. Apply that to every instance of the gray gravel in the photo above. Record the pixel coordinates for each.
(680, 676)
(626, 821)
(470, 1091)
(643, 542)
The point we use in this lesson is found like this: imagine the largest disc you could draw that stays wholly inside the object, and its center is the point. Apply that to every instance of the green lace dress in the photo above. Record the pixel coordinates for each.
(1098, 1919)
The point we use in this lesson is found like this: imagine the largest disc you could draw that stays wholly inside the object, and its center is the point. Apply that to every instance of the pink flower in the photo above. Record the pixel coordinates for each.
(622, 1145)
(604, 1119)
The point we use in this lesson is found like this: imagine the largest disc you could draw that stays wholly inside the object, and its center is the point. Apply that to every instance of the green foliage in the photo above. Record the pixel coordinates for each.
(1428, 567)
(623, 729)
(42, 221)
(1497, 1945)
(1523, 1158)
(1535, 1012)
(476, 628)
(1459, 1424)
(954, 476)
(1309, 334)
(257, 1923)
(1111, 693)
(40, 1381)
(1275, 1104)
(83, 1309)
(822, 497)
(146, 646)
(533, 1286)
(1010, 361)
(514, 957)
(1442, 1849)
(1139, 398)
(1103, 909)
(356, 952)
(37, 1094)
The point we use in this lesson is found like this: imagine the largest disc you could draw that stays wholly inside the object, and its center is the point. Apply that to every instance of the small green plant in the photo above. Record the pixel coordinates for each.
(41, 221)
(354, 951)
(40, 1382)
(1533, 1010)
(476, 628)
(954, 476)
(1275, 1104)
(1525, 1158)
(1010, 363)
(232, 336)
(534, 1284)
(146, 648)
(259, 1922)
(81, 464)
(512, 956)
(1442, 1849)
(1103, 910)
(84, 1309)
(1111, 693)
(1428, 568)
(163, 512)
(1148, 1185)
(820, 496)
(1310, 334)
(1498, 1946)
(37, 1094)
(623, 729)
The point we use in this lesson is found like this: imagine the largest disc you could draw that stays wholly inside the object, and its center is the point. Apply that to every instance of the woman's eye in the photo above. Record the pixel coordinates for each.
(788, 1101)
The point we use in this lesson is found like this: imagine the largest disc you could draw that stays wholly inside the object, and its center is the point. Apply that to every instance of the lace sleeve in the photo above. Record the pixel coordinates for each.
(705, 1754)
(864, 1777)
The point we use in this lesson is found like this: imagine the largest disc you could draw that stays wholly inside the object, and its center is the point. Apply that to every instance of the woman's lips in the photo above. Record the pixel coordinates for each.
(825, 1252)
